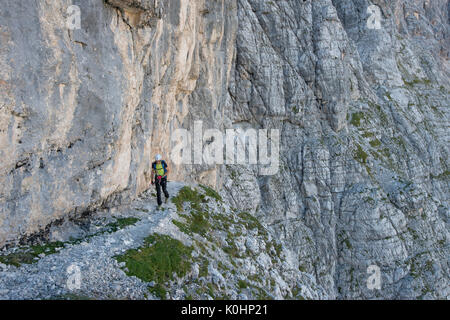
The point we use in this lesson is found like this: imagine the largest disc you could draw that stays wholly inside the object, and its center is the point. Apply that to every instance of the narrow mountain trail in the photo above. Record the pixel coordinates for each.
(195, 247)
(89, 266)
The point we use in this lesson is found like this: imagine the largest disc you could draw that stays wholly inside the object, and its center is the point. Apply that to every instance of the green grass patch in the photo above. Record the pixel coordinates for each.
(360, 155)
(199, 223)
(17, 258)
(182, 226)
(72, 296)
(28, 255)
(250, 221)
(400, 142)
(368, 134)
(232, 251)
(375, 143)
(203, 269)
(186, 194)
(380, 113)
(48, 248)
(242, 284)
(159, 258)
(356, 118)
(417, 81)
(302, 268)
(262, 294)
(347, 243)
(196, 222)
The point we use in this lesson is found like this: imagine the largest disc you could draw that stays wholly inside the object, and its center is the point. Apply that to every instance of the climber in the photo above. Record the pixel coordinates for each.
(159, 177)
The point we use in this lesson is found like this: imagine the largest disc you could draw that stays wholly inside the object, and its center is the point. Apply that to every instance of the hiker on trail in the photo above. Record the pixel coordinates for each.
(159, 177)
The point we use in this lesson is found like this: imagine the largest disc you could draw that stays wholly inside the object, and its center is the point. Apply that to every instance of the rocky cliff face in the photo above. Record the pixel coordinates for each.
(84, 110)
(360, 98)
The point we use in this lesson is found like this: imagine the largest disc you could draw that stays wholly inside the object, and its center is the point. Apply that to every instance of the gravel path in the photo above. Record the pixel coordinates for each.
(88, 269)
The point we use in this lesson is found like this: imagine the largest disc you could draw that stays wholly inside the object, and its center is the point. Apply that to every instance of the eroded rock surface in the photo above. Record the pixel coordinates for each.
(364, 119)
(83, 111)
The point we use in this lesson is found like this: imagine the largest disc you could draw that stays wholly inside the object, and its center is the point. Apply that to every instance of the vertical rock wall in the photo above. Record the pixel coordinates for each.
(83, 111)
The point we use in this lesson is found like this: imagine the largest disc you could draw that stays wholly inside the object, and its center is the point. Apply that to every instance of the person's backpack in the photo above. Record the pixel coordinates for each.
(164, 165)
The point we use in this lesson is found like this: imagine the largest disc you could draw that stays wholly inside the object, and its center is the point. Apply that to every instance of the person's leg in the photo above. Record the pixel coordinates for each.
(158, 191)
(164, 187)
